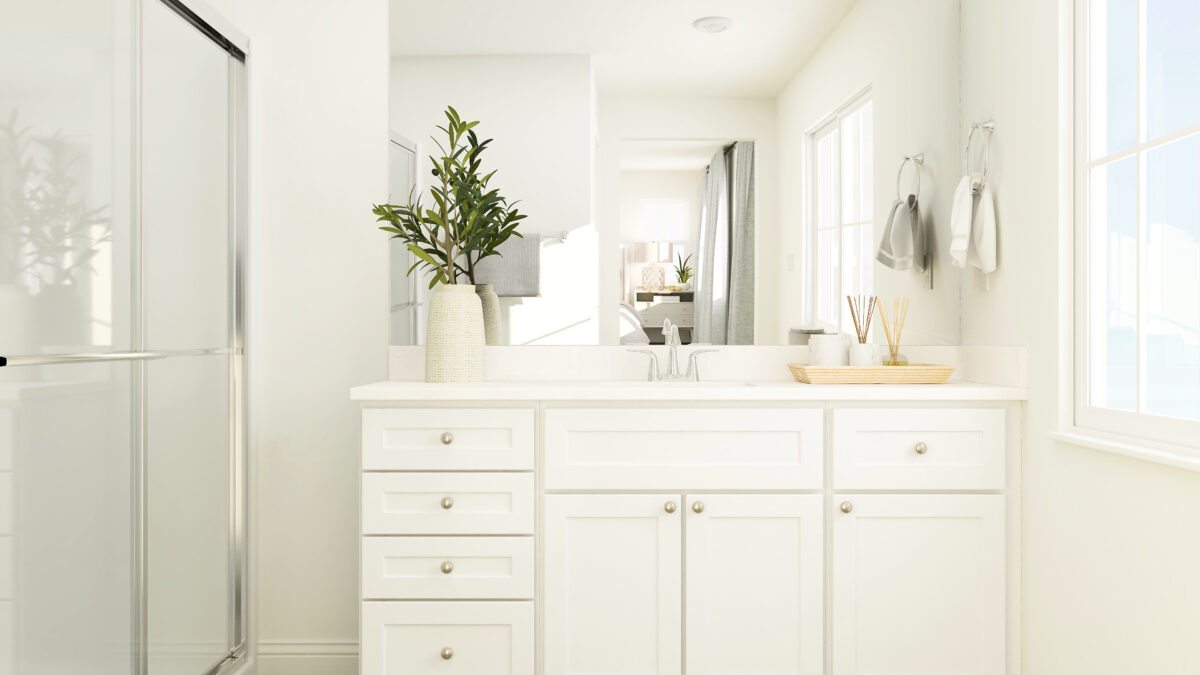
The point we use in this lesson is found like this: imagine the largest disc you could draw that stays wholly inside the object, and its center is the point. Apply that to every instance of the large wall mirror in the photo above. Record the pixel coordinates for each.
(736, 175)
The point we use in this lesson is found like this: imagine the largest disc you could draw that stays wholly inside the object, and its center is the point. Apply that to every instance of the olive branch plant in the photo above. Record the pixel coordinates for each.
(471, 220)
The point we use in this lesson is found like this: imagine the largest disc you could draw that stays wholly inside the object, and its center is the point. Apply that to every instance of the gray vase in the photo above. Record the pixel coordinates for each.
(491, 313)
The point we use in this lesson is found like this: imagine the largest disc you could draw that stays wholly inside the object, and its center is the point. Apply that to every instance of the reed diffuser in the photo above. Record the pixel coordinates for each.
(893, 327)
(862, 308)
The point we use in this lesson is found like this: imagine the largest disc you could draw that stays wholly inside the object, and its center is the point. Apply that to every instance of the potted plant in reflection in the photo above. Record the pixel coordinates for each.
(683, 271)
(467, 223)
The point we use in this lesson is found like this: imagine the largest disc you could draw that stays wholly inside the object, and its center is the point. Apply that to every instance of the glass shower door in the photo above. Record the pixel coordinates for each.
(122, 134)
(67, 451)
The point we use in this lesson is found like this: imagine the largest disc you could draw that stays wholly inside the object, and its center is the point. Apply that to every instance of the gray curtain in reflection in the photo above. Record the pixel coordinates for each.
(725, 257)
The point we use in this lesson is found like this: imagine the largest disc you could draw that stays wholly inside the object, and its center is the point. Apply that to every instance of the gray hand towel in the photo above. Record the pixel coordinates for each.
(903, 244)
(517, 271)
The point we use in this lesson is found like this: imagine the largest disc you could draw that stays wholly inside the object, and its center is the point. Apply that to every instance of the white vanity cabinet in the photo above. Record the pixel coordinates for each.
(918, 584)
(618, 577)
(770, 532)
(447, 555)
(754, 584)
(613, 584)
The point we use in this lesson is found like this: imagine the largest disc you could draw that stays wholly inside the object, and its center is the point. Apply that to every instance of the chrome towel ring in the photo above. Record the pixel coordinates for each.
(986, 128)
(916, 160)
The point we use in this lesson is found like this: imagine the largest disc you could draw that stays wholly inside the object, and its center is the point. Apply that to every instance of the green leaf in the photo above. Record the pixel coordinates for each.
(420, 253)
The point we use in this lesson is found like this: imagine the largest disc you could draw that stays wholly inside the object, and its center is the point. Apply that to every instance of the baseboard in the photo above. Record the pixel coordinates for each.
(297, 657)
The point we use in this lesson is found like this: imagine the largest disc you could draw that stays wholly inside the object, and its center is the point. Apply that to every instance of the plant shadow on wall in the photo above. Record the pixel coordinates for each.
(49, 238)
(469, 222)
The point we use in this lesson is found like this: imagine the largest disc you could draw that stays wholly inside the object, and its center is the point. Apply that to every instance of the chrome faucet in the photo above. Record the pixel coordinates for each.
(671, 335)
(655, 374)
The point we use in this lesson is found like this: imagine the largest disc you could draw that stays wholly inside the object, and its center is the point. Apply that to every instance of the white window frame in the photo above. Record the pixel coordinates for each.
(1162, 439)
(832, 122)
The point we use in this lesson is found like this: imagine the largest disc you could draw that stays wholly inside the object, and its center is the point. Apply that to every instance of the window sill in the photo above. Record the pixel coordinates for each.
(1159, 453)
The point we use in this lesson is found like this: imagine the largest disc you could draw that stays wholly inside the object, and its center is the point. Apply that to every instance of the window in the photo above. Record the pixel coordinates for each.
(664, 220)
(841, 217)
(1138, 219)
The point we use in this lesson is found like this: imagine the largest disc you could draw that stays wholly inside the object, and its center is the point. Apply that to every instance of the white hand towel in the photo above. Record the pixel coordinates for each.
(960, 221)
(903, 242)
(982, 253)
(973, 225)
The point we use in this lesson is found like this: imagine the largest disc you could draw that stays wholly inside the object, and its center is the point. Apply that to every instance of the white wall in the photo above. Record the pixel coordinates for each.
(539, 110)
(908, 53)
(691, 118)
(317, 313)
(1111, 545)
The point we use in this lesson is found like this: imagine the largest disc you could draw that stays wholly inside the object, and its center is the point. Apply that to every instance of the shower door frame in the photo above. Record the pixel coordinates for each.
(227, 38)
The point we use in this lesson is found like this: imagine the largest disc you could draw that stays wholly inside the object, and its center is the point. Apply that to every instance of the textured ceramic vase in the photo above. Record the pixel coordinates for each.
(491, 313)
(454, 336)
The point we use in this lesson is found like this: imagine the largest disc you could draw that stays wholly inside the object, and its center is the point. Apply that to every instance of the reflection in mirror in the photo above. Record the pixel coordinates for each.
(740, 183)
(687, 241)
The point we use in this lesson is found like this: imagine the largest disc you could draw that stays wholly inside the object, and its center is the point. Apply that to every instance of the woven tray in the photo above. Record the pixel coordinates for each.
(917, 373)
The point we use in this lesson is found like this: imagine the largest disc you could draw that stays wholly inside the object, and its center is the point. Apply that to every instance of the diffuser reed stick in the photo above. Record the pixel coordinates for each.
(893, 326)
(861, 309)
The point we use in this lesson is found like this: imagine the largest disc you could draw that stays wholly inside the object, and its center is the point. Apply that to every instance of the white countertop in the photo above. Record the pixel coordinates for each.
(665, 392)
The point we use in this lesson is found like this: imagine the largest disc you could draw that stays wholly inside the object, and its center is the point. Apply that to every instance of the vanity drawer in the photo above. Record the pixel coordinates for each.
(425, 439)
(442, 568)
(447, 503)
(415, 638)
(918, 449)
(684, 448)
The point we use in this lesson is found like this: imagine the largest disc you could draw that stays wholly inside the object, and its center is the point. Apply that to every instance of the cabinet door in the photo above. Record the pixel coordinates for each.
(755, 585)
(613, 584)
(918, 584)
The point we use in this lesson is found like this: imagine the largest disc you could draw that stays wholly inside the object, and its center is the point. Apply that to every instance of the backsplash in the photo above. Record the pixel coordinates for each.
(1007, 366)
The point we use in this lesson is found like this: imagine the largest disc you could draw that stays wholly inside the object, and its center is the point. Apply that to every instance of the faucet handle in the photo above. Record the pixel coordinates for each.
(652, 375)
(693, 370)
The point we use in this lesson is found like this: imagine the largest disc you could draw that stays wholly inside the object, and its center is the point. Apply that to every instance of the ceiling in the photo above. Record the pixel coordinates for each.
(638, 46)
(668, 155)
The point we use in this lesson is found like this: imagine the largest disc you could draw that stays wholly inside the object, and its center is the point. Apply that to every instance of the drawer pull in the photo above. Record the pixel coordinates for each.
(447, 502)
(447, 438)
(447, 567)
(847, 507)
(669, 507)
(698, 507)
(921, 448)
(447, 653)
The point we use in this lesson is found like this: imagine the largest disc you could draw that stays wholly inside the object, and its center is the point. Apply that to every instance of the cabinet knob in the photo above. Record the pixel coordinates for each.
(921, 448)
(447, 653)
(847, 507)
(447, 438)
(447, 567)
(698, 507)
(669, 507)
(447, 502)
